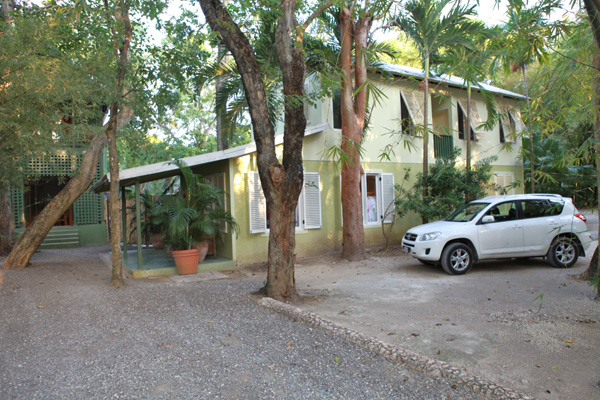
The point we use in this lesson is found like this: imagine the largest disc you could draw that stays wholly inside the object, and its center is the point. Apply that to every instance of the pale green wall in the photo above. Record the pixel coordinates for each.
(385, 119)
(251, 248)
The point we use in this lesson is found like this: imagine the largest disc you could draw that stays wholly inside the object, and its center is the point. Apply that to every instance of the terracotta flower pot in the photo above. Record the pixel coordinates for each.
(186, 261)
(202, 247)
(158, 240)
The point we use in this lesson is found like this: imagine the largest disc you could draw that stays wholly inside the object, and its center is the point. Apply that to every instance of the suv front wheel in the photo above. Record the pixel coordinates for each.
(457, 259)
(563, 252)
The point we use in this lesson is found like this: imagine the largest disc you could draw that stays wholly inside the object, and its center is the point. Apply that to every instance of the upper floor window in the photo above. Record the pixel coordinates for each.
(411, 106)
(337, 109)
(462, 119)
(508, 128)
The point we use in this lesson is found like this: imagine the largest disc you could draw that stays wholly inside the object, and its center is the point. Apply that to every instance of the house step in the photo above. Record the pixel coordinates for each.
(61, 237)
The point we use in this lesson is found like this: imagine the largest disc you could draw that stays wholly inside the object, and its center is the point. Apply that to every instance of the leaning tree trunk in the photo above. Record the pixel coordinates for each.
(36, 232)
(281, 183)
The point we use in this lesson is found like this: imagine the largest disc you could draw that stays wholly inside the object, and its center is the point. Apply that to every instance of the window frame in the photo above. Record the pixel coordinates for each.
(463, 121)
(384, 188)
(258, 214)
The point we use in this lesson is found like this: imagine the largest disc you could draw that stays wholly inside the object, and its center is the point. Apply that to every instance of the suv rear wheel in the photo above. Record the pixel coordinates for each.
(563, 252)
(457, 259)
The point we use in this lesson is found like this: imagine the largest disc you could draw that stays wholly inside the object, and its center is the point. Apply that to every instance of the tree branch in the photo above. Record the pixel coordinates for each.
(314, 15)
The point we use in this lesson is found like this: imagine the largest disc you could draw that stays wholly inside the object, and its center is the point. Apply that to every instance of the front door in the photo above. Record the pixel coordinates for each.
(503, 237)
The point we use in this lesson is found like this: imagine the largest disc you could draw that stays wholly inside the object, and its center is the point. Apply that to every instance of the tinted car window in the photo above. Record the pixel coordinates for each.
(503, 211)
(541, 208)
(466, 212)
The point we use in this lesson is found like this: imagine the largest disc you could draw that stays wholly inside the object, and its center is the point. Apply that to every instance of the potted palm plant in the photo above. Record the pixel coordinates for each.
(193, 215)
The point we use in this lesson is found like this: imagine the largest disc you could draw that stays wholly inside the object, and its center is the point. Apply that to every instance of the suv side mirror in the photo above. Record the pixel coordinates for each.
(487, 219)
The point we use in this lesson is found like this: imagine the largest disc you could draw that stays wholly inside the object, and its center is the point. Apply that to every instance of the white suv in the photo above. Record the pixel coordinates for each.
(528, 225)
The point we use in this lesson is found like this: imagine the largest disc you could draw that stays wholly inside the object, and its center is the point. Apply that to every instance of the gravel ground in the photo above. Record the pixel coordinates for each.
(65, 333)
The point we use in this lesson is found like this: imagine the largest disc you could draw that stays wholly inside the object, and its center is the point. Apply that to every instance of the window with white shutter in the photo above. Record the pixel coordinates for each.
(388, 207)
(312, 201)
(308, 211)
(377, 194)
(258, 204)
(504, 180)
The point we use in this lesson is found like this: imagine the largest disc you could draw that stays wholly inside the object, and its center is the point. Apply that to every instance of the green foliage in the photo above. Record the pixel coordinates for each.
(560, 117)
(447, 188)
(54, 80)
(194, 213)
(433, 29)
(568, 176)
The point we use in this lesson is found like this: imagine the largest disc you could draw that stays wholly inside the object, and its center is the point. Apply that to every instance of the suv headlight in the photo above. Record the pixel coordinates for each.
(430, 236)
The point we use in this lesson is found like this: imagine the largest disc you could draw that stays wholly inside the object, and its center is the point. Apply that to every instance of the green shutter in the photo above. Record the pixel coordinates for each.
(443, 146)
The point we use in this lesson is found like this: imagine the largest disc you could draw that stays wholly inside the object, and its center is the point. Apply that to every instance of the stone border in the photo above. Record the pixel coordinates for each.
(396, 354)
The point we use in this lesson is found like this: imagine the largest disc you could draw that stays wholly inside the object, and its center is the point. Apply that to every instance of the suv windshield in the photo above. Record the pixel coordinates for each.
(466, 212)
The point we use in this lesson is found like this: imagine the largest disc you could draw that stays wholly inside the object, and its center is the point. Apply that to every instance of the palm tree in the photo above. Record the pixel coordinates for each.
(524, 40)
(470, 62)
(433, 30)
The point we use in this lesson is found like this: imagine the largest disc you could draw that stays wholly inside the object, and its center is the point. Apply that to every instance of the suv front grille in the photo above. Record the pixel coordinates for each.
(411, 237)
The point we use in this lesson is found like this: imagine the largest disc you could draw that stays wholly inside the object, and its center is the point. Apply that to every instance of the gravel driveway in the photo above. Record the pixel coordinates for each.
(65, 333)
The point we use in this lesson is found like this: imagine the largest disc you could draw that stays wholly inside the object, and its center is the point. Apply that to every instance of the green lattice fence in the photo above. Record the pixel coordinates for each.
(18, 207)
(87, 210)
(62, 163)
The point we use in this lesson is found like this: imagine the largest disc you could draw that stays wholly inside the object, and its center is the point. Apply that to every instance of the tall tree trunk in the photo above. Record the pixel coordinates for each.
(7, 225)
(222, 140)
(353, 110)
(531, 151)
(36, 232)
(426, 127)
(114, 203)
(468, 129)
(6, 9)
(281, 182)
(593, 10)
(120, 114)
(353, 229)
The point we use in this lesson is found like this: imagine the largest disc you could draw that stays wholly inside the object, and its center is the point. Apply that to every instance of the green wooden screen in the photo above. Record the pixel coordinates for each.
(87, 210)
(443, 146)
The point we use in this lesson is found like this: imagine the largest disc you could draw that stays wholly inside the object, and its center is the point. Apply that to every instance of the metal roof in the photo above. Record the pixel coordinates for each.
(445, 79)
(161, 170)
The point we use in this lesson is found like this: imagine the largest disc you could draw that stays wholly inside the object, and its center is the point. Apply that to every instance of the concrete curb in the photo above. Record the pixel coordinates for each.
(396, 354)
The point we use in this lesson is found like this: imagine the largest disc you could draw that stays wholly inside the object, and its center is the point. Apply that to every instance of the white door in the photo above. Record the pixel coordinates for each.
(541, 223)
(504, 236)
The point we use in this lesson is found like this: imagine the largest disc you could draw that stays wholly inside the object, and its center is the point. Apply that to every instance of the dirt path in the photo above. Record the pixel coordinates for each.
(524, 325)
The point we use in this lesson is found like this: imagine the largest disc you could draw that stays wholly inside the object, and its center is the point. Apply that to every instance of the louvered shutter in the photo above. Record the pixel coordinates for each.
(312, 200)
(258, 204)
(505, 180)
(475, 117)
(518, 120)
(414, 101)
(388, 208)
(509, 128)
